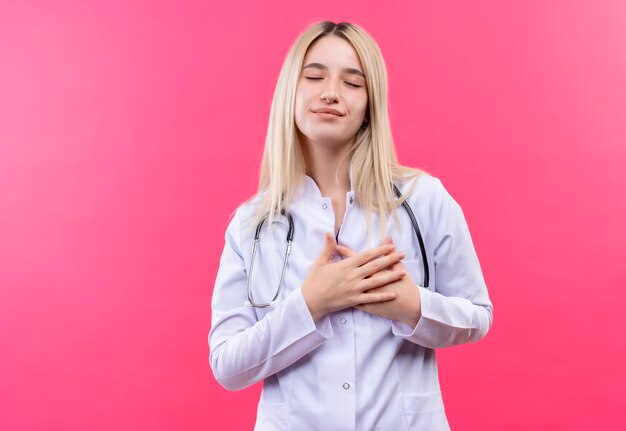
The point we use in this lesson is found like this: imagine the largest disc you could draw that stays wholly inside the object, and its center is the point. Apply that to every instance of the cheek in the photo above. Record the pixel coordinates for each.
(299, 112)
(360, 106)
(299, 108)
(301, 103)
(365, 102)
(364, 111)
(359, 115)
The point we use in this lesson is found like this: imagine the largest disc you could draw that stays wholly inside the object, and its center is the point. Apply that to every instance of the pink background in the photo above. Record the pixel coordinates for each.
(130, 130)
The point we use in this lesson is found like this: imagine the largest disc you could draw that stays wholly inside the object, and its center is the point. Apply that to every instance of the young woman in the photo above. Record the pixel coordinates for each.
(340, 324)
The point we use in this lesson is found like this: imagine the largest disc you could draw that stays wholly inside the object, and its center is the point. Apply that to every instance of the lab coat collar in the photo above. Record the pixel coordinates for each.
(311, 190)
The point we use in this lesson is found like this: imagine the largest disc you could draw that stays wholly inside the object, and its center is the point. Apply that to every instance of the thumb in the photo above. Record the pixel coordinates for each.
(328, 249)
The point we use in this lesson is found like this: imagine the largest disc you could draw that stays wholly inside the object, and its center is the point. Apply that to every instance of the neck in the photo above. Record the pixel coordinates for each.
(322, 163)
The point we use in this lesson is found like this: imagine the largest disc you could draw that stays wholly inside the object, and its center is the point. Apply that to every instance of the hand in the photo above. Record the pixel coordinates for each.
(332, 286)
(406, 307)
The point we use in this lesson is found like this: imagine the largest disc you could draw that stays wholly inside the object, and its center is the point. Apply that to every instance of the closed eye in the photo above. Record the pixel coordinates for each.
(349, 83)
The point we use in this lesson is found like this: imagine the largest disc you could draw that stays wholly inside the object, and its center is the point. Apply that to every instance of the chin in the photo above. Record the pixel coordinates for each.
(330, 136)
(328, 141)
(327, 137)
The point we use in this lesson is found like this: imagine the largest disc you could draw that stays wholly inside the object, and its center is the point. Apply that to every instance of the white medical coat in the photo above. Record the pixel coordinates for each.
(350, 370)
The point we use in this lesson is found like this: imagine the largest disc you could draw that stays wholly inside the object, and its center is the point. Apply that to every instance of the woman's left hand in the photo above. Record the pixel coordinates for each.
(407, 305)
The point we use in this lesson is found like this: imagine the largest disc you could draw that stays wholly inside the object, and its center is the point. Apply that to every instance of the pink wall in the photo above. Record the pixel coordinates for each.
(130, 130)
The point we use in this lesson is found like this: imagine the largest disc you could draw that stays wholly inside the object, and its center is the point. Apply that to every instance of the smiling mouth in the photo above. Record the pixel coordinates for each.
(327, 115)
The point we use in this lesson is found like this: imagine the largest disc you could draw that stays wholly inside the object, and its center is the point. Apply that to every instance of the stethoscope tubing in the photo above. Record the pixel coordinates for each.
(418, 233)
(290, 234)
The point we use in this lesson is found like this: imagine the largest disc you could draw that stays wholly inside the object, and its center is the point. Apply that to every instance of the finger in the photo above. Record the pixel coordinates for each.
(384, 271)
(345, 251)
(369, 298)
(380, 279)
(328, 249)
(388, 240)
(348, 252)
(379, 263)
(366, 256)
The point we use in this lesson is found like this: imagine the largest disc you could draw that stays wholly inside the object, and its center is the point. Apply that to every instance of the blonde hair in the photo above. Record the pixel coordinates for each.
(373, 156)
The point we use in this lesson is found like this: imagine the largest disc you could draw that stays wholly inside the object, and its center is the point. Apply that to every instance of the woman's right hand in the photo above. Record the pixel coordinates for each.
(333, 286)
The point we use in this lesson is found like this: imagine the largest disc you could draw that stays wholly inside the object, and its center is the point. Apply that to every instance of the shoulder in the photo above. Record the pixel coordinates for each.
(428, 192)
(423, 186)
(249, 206)
(243, 214)
(434, 206)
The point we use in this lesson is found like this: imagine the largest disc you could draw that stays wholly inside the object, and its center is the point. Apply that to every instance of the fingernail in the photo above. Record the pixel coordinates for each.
(402, 255)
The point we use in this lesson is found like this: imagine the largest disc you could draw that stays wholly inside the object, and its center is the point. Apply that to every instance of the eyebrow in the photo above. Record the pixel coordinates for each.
(321, 66)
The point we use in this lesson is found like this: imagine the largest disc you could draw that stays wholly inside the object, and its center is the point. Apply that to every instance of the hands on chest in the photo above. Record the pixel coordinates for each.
(406, 307)
(374, 281)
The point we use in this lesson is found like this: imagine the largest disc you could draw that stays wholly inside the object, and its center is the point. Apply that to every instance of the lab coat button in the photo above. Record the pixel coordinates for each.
(324, 206)
(346, 386)
(343, 320)
(351, 200)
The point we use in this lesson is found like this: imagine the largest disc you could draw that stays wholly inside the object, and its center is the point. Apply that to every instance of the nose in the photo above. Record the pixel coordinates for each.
(329, 93)
(329, 97)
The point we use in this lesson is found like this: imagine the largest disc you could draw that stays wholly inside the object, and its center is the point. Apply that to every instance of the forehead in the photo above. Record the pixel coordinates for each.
(334, 52)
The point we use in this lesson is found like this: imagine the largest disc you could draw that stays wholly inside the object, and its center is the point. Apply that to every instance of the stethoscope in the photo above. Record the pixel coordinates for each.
(257, 235)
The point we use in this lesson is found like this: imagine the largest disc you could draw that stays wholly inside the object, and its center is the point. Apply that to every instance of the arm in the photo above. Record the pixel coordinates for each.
(459, 311)
(244, 350)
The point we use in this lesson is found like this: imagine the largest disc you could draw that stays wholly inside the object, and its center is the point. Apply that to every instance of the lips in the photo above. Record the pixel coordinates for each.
(328, 111)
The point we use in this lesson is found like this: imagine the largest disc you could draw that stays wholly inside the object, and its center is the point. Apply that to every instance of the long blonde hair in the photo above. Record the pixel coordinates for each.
(373, 156)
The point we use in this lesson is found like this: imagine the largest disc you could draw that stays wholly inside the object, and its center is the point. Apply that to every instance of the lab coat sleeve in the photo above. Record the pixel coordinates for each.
(244, 350)
(459, 309)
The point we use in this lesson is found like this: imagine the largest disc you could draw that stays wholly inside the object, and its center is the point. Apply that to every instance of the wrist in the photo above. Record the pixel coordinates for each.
(311, 303)
(414, 312)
